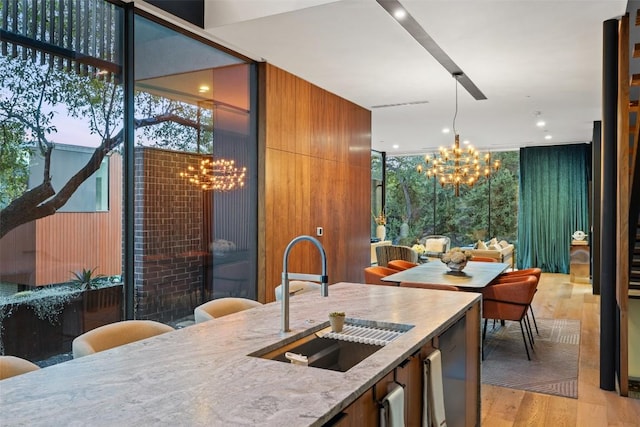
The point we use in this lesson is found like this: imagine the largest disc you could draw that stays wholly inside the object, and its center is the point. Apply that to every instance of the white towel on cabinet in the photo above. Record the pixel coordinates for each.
(433, 413)
(392, 410)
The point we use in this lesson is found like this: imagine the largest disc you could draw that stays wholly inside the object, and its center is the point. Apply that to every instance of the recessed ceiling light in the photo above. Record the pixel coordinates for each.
(203, 89)
(540, 123)
(395, 146)
(399, 13)
(466, 142)
(445, 130)
(547, 137)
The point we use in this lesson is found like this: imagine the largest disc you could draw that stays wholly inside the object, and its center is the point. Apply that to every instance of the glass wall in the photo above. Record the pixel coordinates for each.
(488, 209)
(377, 189)
(63, 153)
(195, 211)
(61, 123)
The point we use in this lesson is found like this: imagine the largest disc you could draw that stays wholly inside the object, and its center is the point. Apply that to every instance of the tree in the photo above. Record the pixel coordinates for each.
(465, 219)
(32, 96)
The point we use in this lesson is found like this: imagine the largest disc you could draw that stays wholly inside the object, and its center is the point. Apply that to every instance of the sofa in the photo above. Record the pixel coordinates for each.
(501, 251)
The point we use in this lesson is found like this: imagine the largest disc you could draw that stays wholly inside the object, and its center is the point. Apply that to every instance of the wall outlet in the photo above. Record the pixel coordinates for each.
(319, 231)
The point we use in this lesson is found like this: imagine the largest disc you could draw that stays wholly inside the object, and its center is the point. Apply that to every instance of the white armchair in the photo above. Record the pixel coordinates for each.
(435, 245)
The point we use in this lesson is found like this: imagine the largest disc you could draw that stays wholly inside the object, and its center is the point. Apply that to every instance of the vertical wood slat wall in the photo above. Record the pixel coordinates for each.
(622, 232)
(317, 173)
(95, 238)
(84, 31)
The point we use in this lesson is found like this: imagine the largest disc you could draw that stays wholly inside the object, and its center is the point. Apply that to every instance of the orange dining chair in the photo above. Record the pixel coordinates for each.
(513, 275)
(510, 301)
(373, 275)
(429, 286)
(483, 259)
(400, 264)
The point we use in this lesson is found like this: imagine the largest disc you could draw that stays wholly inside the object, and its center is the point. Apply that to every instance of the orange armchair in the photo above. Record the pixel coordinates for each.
(510, 301)
(400, 264)
(514, 276)
(373, 275)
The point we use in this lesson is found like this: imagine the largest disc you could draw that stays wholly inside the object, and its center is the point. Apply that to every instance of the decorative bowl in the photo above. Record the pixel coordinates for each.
(456, 266)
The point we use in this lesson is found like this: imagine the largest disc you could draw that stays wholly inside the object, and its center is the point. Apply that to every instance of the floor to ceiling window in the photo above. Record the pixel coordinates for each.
(63, 158)
(488, 209)
(195, 213)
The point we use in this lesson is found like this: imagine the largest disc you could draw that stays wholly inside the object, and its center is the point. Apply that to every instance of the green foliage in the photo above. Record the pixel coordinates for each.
(86, 279)
(14, 162)
(465, 219)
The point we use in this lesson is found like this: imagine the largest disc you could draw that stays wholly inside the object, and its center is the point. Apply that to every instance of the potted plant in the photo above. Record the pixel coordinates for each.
(336, 319)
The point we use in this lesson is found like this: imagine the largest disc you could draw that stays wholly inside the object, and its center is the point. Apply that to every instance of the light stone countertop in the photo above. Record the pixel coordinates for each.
(201, 375)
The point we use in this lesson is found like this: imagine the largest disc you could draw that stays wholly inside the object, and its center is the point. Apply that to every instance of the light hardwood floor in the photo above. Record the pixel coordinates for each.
(557, 298)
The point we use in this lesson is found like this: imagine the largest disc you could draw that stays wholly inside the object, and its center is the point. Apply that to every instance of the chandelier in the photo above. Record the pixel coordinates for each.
(457, 166)
(216, 175)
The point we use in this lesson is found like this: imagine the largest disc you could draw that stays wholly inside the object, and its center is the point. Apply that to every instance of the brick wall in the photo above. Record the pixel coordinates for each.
(169, 247)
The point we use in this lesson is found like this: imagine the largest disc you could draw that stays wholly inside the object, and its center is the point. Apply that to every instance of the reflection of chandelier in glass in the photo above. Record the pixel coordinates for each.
(458, 166)
(216, 175)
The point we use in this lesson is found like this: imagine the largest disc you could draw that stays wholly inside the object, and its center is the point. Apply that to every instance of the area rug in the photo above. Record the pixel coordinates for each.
(553, 368)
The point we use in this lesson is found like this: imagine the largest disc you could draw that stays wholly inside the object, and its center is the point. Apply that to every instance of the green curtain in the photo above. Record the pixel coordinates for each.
(553, 204)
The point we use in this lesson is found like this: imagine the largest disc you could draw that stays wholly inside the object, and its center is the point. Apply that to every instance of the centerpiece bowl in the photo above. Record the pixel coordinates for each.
(456, 259)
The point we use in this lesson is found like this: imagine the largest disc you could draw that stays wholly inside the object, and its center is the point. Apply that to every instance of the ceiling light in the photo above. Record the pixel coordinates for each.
(465, 142)
(395, 146)
(445, 130)
(203, 89)
(547, 137)
(458, 166)
(540, 123)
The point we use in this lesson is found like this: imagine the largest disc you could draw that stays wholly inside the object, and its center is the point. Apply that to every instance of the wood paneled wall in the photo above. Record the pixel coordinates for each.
(315, 151)
(71, 241)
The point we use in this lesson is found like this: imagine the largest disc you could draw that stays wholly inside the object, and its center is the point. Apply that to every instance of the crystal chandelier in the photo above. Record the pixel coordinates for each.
(457, 166)
(216, 175)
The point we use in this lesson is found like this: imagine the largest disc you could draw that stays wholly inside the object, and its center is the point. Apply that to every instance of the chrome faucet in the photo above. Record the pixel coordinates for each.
(323, 279)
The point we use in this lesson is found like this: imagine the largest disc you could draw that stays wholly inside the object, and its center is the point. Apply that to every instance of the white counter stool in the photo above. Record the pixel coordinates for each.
(221, 307)
(116, 334)
(10, 366)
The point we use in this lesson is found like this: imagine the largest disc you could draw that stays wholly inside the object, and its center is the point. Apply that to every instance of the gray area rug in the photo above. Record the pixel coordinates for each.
(553, 368)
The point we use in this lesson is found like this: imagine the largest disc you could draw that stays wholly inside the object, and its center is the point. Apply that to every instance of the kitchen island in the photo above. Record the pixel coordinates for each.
(203, 374)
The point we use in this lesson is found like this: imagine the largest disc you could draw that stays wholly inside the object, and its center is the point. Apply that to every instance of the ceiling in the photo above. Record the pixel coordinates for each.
(531, 59)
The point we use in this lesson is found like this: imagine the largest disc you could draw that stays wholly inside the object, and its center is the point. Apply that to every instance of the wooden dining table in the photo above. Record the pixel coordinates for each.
(476, 275)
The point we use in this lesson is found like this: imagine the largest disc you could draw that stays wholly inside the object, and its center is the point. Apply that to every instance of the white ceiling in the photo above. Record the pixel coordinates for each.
(525, 56)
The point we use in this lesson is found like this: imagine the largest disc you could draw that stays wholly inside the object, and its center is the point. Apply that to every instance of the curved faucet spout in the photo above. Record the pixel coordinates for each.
(323, 278)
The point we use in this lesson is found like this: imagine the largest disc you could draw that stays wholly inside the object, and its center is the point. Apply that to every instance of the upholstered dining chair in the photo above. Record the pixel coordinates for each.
(429, 286)
(400, 264)
(297, 287)
(373, 275)
(116, 334)
(482, 259)
(391, 252)
(510, 301)
(221, 307)
(10, 366)
(513, 275)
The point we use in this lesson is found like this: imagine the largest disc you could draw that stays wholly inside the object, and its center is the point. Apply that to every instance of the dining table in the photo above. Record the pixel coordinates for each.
(476, 274)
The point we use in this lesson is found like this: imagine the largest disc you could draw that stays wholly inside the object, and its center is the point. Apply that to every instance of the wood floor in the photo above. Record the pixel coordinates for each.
(557, 298)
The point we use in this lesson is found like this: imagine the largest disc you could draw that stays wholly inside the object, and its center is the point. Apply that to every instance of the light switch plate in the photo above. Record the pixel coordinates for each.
(319, 231)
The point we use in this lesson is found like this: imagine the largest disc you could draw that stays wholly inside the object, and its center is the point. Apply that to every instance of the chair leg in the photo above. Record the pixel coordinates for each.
(529, 330)
(534, 320)
(524, 340)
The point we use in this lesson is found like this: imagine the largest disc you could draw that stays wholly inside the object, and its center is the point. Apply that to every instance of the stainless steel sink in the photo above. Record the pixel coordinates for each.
(335, 351)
